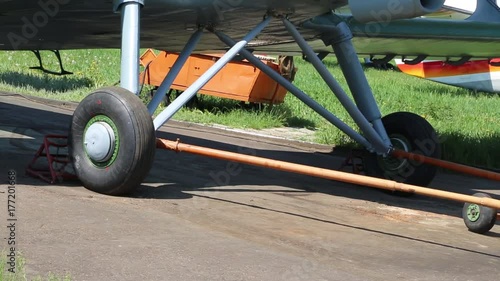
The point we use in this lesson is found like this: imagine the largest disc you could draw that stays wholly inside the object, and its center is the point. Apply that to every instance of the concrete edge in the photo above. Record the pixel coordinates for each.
(296, 144)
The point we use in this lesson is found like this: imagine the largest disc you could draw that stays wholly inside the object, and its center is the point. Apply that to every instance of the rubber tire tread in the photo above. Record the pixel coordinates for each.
(413, 127)
(137, 140)
(487, 217)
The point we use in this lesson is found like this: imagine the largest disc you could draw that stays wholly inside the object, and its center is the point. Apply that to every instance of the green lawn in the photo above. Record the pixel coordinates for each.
(9, 272)
(468, 122)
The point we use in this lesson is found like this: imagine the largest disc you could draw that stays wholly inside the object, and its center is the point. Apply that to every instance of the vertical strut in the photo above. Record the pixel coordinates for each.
(339, 37)
(168, 112)
(174, 71)
(356, 79)
(344, 99)
(130, 16)
(298, 93)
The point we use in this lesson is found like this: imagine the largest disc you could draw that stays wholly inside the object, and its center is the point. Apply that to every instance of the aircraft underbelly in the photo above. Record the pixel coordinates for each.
(167, 24)
(65, 24)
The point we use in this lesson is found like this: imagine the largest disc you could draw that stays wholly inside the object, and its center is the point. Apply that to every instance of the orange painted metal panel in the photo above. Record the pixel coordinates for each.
(238, 80)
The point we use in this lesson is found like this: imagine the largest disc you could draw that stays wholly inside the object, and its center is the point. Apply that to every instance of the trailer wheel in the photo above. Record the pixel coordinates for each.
(477, 218)
(411, 133)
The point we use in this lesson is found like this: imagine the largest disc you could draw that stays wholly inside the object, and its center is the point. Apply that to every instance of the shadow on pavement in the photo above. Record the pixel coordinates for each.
(177, 174)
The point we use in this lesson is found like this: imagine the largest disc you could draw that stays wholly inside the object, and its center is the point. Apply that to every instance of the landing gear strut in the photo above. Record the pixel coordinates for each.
(112, 138)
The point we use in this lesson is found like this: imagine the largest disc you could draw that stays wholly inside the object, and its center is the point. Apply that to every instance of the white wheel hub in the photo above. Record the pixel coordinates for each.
(99, 141)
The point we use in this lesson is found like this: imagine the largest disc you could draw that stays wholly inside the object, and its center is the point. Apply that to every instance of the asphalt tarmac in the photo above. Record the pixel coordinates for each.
(197, 218)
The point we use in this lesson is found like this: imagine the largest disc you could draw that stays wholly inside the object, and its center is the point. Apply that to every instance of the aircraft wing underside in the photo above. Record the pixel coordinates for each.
(167, 24)
(436, 38)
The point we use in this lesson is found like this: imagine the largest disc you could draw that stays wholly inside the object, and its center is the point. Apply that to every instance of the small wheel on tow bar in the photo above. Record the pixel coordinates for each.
(477, 218)
(411, 133)
(112, 141)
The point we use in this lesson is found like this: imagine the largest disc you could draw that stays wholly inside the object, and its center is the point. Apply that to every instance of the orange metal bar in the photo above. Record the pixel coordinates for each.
(446, 164)
(324, 173)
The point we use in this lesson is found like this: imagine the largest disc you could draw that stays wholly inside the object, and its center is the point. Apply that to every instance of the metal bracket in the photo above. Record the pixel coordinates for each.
(457, 62)
(321, 56)
(383, 60)
(42, 68)
(118, 3)
(414, 61)
(335, 35)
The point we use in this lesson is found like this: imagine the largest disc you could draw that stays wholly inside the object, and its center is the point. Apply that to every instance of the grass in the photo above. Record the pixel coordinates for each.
(467, 121)
(20, 271)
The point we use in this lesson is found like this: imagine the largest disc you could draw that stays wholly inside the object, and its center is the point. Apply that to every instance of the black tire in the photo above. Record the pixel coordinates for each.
(412, 133)
(133, 154)
(477, 218)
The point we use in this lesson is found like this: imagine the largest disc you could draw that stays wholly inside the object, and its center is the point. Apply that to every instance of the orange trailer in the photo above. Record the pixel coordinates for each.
(238, 80)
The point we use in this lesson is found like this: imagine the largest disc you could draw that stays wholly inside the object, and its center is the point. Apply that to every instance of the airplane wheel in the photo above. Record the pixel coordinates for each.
(477, 218)
(411, 133)
(112, 141)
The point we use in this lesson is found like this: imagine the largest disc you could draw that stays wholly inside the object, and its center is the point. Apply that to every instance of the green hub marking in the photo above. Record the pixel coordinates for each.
(473, 212)
(107, 120)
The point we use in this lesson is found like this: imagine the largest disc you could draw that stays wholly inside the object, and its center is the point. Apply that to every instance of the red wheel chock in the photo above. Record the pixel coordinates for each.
(54, 169)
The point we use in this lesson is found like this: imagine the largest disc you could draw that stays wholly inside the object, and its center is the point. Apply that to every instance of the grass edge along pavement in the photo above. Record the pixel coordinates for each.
(19, 269)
